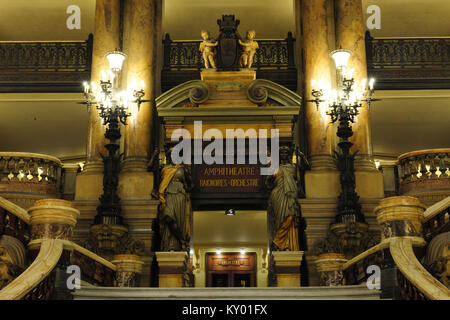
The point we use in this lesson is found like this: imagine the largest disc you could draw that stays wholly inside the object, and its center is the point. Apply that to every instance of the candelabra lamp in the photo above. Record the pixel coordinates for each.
(112, 103)
(342, 106)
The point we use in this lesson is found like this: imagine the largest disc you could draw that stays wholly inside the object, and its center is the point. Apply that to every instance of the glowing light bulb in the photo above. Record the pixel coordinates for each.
(371, 83)
(364, 83)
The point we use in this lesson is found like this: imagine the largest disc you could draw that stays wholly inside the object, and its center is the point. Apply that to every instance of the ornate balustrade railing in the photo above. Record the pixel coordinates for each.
(27, 177)
(29, 167)
(274, 60)
(44, 66)
(409, 63)
(425, 174)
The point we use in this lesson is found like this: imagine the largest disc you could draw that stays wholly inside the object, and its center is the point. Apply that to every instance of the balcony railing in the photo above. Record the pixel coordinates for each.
(425, 174)
(44, 66)
(274, 60)
(26, 177)
(61, 66)
(409, 63)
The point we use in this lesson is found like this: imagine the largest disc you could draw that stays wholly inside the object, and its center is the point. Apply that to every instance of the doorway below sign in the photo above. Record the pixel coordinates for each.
(230, 251)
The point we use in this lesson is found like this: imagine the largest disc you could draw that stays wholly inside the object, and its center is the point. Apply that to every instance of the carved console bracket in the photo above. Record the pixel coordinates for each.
(109, 240)
(348, 239)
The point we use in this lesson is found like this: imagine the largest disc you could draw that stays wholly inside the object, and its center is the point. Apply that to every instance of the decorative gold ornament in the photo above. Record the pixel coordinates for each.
(249, 47)
(208, 49)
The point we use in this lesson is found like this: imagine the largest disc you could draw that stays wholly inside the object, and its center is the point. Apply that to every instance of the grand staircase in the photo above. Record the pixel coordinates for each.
(359, 292)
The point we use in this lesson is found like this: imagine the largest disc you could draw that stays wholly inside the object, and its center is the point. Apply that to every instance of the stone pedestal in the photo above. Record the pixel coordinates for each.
(329, 266)
(172, 266)
(129, 267)
(287, 267)
(400, 217)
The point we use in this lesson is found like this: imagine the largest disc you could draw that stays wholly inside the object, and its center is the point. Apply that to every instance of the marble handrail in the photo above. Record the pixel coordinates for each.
(401, 249)
(382, 245)
(92, 256)
(49, 254)
(436, 208)
(14, 209)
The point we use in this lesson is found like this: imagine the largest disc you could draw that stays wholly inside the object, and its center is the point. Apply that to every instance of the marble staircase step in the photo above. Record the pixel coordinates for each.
(359, 292)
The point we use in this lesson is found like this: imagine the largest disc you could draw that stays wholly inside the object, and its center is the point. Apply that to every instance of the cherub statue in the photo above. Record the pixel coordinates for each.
(207, 47)
(249, 47)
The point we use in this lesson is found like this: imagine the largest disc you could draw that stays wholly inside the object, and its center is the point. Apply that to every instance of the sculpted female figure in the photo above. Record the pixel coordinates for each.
(283, 209)
(175, 207)
(208, 49)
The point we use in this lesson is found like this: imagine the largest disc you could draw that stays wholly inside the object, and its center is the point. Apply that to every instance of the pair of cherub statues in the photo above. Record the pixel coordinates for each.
(208, 49)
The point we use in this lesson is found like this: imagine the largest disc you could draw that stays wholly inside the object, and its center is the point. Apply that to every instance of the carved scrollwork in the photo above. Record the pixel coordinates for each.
(199, 94)
(257, 94)
(109, 240)
(349, 239)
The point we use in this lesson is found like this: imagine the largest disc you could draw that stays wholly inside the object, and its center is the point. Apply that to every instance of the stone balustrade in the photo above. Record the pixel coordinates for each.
(425, 174)
(27, 177)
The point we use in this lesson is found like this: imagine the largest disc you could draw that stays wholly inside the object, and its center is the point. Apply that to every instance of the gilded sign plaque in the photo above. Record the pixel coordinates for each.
(228, 178)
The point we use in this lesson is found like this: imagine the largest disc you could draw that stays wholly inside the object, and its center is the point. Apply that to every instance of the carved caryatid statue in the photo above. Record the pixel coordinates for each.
(175, 208)
(249, 47)
(283, 208)
(208, 49)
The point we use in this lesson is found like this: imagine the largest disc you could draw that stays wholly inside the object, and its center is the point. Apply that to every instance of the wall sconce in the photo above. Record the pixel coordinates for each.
(230, 212)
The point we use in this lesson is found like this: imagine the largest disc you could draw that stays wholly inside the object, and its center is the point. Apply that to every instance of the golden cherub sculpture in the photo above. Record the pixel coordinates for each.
(249, 47)
(207, 47)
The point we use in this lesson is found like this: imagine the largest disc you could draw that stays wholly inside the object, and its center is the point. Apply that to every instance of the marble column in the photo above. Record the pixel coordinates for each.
(350, 32)
(323, 180)
(106, 38)
(139, 45)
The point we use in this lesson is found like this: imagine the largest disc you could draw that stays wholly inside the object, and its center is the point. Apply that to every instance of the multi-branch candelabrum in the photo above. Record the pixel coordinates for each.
(343, 106)
(112, 104)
